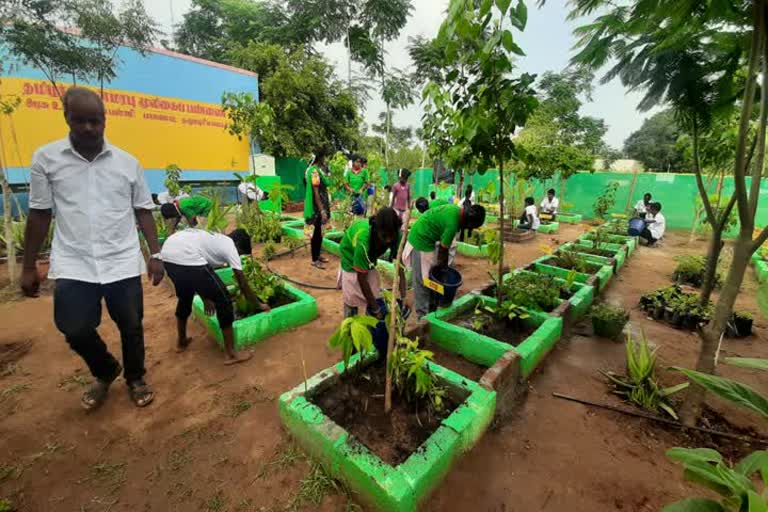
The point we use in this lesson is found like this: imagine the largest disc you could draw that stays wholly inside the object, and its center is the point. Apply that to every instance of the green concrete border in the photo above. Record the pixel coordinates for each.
(592, 258)
(603, 275)
(484, 350)
(471, 250)
(570, 218)
(552, 227)
(619, 255)
(332, 246)
(580, 301)
(256, 328)
(622, 251)
(377, 484)
(629, 241)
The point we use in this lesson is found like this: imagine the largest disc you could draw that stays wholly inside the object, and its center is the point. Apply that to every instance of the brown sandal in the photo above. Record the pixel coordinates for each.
(141, 394)
(95, 396)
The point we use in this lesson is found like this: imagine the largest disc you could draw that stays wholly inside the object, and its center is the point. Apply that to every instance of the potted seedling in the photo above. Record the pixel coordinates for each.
(608, 321)
(740, 325)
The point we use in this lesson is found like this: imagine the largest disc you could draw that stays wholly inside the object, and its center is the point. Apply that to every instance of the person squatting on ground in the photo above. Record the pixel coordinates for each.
(435, 230)
(655, 225)
(401, 195)
(190, 257)
(190, 208)
(643, 205)
(550, 204)
(364, 242)
(530, 218)
(317, 206)
(99, 194)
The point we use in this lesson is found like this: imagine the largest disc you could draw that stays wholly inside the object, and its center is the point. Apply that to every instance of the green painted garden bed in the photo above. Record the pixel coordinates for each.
(617, 260)
(253, 329)
(332, 242)
(471, 250)
(591, 258)
(622, 251)
(484, 350)
(629, 241)
(552, 227)
(544, 265)
(378, 485)
(579, 302)
(570, 218)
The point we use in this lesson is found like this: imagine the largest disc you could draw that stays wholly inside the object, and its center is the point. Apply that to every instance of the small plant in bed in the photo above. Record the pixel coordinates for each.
(571, 260)
(690, 270)
(540, 292)
(268, 287)
(356, 402)
(505, 323)
(608, 321)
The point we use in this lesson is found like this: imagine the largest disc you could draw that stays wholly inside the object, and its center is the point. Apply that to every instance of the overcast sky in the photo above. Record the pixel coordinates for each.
(547, 42)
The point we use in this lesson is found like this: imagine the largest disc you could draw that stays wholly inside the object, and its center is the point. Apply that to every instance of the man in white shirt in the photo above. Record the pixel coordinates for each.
(655, 228)
(189, 258)
(250, 192)
(642, 206)
(530, 218)
(99, 194)
(550, 204)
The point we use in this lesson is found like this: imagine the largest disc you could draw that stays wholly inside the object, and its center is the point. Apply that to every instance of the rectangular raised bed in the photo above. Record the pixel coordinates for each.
(552, 227)
(379, 485)
(578, 303)
(629, 241)
(603, 275)
(619, 255)
(471, 250)
(622, 251)
(330, 244)
(484, 350)
(592, 258)
(570, 218)
(251, 330)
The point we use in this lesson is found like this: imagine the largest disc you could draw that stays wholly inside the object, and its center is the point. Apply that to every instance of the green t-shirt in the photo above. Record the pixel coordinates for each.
(315, 178)
(436, 225)
(438, 202)
(195, 206)
(357, 180)
(355, 248)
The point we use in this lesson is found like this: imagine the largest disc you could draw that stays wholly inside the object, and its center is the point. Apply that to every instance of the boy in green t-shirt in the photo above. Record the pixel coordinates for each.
(436, 228)
(188, 207)
(356, 182)
(364, 242)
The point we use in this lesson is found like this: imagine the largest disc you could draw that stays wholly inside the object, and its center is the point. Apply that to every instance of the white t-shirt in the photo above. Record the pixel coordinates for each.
(531, 210)
(165, 197)
(196, 247)
(250, 191)
(464, 199)
(640, 207)
(550, 206)
(658, 227)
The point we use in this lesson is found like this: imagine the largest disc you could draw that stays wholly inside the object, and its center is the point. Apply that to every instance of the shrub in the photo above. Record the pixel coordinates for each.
(534, 291)
(690, 270)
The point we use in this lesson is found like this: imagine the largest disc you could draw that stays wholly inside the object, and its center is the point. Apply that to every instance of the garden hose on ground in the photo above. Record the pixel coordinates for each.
(294, 281)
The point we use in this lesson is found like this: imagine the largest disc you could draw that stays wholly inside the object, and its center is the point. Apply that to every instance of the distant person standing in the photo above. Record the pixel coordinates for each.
(401, 195)
(356, 182)
(99, 194)
(317, 206)
(643, 206)
(466, 202)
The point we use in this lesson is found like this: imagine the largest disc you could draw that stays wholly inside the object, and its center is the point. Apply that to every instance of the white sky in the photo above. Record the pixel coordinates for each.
(547, 41)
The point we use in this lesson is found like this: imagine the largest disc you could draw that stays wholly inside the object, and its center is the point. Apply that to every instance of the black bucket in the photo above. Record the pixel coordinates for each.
(451, 281)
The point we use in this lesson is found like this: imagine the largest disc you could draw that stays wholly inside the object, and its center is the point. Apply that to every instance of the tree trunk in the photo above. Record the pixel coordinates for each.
(710, 335)
(710, 271)
(501, 231)
(386, 136)
(393, 317)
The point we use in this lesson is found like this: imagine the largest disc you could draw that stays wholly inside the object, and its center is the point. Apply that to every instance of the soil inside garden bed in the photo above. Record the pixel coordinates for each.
(597, 252)
(592, 268)
(357, 405)
(496, 329)
(455, 362)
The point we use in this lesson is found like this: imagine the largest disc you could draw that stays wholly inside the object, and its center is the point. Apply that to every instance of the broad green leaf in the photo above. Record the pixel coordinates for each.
(361, 336)
(367, 321)
(688, 455)
(707, 476)
(503, 6)
(674, 389)
(694, 505)
(521, 13)
(733, 391)
(335, 339)
(756, 502)
(507, 40)
(752, 463)
(668, 409)
(747, 362)
(486, 7)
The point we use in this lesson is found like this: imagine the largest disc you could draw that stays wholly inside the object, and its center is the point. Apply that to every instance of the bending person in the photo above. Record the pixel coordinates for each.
(190, 257)
(188, 207)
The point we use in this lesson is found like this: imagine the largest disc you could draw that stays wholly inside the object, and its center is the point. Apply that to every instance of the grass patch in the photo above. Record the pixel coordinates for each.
(7, 506)
(8, 369)
(316, 486)
(9, 471)
(75, 381)
(239, 407)
(216, 503)
(112, 475)
(282, 460)
(12, 391)
(177, 459)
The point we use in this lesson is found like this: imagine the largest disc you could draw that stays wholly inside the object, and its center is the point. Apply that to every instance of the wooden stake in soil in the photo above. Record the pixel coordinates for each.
(501, 231)
(393, 315)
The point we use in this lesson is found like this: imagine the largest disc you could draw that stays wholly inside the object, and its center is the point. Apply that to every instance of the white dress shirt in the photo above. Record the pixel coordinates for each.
(95, 238)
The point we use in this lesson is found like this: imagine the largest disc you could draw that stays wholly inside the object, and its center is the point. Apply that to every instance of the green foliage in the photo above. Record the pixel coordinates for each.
(265, 285)
(539, 292)
(217, 220)
(7, 506)
(734, 483)
(173, 179)
(494, 247)
(411, 375)
(655, 144)
(747, 362)
(342, 215)
(297, 89)
(18, 230)
(609, 313)
(571, 260)
(730, 390)
(353, 336)
(639, 386)
(606, 200)
(508, 312)
(690, 270)
(160, 226)
(719, 204)
(269, 251)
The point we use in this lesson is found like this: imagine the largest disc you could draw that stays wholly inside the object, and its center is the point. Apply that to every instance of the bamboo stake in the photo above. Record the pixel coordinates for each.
(393, 315)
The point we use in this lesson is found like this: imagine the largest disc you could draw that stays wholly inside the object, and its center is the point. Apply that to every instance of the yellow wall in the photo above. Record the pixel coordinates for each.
(156, 130)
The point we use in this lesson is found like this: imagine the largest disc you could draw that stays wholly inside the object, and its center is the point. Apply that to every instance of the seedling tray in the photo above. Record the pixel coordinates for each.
(253, 329)
(471, 250)
(545, 265)
(378, 485)
(484, 350)
(570, 218)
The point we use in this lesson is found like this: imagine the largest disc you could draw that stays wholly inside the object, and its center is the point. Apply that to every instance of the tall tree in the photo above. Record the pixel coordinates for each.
(655, 144)
(699, 59)
(303, 108)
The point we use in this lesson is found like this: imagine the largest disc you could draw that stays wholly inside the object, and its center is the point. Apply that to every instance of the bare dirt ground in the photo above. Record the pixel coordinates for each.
(213, 442)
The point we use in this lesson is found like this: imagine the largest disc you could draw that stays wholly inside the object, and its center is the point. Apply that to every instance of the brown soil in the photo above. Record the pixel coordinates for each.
(454, 362)
(213, 438)
(497, 329)
(597, 252)
(357, 404)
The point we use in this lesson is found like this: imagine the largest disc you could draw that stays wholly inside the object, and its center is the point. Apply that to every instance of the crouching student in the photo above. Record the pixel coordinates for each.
(188, 207)
(530, 218)
(655, 225)
(364, 242)
(189, 258)
(435, 231)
